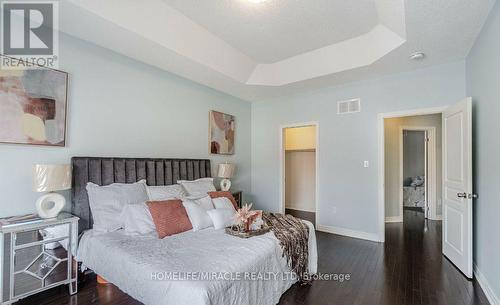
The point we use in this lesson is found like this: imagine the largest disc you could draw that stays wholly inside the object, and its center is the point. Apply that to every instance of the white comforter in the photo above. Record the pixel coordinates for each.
(132, 262)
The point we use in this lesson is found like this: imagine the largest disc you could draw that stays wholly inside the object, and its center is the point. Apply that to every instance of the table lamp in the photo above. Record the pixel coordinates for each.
(48, 178)
(226, 171)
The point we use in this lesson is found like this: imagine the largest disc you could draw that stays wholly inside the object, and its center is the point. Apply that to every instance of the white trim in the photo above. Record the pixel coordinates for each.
(391, 219)
(413, 112)
(431, 178)
(381, 178)
(282, 165)
(298, 209)
(485, 285)
(348, 233)
(437, 217)
(381, 157)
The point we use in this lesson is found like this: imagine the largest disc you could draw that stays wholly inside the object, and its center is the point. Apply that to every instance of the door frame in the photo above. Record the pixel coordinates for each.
(431, 163)
(381, 156)
(282, 165)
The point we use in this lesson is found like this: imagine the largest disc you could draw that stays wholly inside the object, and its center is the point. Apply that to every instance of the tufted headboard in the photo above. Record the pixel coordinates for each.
(104, 171)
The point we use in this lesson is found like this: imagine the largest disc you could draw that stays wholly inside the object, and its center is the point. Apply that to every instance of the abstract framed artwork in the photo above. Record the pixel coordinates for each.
(33, 104)
(221, 133)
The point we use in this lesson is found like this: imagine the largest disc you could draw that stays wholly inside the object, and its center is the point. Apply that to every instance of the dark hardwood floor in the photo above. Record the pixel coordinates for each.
(407, 269)
(310, 216)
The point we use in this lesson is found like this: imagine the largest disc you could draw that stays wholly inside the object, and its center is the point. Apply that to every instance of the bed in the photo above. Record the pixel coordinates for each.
(192, 268)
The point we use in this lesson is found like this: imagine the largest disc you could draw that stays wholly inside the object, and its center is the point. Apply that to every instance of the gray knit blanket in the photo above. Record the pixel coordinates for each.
(293, 235)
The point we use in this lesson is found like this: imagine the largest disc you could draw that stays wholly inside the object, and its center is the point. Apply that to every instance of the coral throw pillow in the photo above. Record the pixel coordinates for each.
(169, 216)
(226, 194)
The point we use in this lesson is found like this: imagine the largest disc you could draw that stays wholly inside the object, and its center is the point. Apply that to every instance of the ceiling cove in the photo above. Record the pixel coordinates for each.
(252, 50)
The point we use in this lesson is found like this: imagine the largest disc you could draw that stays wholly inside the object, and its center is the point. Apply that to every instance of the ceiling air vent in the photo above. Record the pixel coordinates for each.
(349, 106)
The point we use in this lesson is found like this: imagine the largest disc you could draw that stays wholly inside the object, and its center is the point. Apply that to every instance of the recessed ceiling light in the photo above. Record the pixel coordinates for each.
(417, 56)
(256, 1)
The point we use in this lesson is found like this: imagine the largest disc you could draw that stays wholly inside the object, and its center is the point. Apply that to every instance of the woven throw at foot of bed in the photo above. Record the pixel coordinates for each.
(293, 235)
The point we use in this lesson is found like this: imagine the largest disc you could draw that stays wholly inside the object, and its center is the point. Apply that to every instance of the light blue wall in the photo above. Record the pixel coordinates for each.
(483, 84)
(119, 107)
(345, 141)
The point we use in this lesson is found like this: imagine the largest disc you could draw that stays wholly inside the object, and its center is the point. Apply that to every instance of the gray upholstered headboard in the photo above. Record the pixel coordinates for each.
(104, 171)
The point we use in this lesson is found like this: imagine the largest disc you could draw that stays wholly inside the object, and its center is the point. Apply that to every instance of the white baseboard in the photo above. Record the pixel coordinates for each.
(438, 217)
(348, 233)
(485, 285)
(394, 219)
(298, 209)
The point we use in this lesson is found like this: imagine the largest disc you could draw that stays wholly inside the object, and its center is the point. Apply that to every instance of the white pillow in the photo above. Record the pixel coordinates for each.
(197, 215)
(223, 203)
(204, 201)
(107, 202)
(165, 192)
(198, 187)
(221, 218)
(137, 219)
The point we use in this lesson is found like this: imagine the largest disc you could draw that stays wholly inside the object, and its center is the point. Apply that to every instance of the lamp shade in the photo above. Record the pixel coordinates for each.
(226, 170)
(51, 177)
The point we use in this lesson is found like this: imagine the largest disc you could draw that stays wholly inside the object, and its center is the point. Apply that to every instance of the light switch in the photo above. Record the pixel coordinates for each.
(366, 164)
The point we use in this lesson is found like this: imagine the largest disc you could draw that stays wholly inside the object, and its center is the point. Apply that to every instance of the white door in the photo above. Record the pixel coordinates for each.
(457, 185)
(426, 174)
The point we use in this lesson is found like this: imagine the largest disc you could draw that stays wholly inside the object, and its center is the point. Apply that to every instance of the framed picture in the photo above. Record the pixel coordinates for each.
(221, 133)
(33, 104)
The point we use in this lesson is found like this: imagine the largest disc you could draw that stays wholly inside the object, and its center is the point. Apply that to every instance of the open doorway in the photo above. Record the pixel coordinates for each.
(299, 170)
(414, 163)
(454, 189)
(413, 179)
(418, 165)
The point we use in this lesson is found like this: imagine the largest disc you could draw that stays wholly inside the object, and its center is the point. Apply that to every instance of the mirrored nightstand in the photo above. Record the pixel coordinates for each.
(37, 255)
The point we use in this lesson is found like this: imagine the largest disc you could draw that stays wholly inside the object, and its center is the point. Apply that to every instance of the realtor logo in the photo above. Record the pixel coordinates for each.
(29, 34)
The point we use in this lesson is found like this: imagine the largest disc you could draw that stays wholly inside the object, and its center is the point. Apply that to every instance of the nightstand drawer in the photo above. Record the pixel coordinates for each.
(42, 234)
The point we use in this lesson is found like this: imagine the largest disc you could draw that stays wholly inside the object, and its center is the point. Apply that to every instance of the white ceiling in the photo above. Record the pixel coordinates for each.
(278, 47)
(277, 29)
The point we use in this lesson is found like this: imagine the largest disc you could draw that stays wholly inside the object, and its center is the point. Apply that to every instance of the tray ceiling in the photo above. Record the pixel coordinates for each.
(275, 30)
(262, 50)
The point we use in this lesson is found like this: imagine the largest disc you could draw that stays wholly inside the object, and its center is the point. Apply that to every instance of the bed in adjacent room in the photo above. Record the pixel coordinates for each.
(199, 267)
